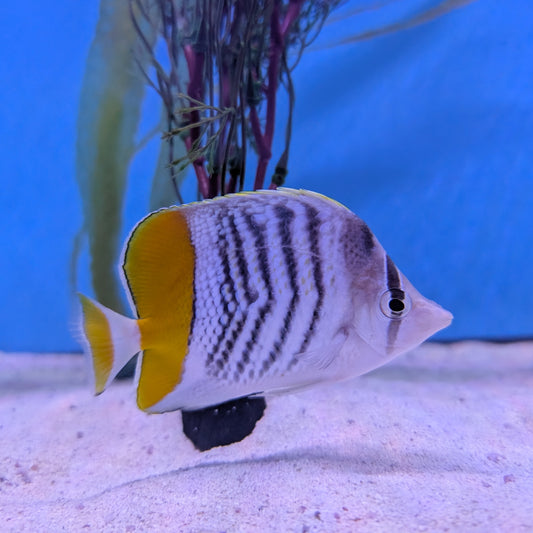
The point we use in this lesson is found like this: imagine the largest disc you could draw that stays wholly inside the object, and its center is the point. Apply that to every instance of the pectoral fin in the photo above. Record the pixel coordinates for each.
(323, 356)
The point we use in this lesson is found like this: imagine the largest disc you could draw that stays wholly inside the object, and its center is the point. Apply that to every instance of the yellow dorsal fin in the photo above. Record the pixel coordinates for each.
(159, 270)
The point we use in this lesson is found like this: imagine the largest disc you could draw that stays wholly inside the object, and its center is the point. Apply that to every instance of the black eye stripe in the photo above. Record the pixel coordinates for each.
(398, 304)
(397, 294)
(393, 276)
(393, 281)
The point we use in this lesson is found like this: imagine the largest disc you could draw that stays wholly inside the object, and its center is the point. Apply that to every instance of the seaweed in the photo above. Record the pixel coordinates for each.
(217, 67)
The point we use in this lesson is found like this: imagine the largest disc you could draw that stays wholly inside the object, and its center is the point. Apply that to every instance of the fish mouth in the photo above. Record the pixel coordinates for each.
(447, 318)
(440, 318)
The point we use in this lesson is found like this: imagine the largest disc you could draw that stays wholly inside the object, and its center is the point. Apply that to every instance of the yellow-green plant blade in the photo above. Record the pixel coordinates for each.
(110, 104)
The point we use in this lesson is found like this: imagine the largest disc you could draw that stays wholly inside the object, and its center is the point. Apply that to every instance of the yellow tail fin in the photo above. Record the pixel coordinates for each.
(109, 339)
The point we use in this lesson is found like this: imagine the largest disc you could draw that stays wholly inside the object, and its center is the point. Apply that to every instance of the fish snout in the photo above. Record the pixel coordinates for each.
(435, 316)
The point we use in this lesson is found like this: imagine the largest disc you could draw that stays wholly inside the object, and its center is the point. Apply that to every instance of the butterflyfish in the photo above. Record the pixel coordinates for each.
(249, 295)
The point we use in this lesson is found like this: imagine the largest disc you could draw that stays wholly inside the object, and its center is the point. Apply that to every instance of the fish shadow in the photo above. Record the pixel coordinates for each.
(364, 460)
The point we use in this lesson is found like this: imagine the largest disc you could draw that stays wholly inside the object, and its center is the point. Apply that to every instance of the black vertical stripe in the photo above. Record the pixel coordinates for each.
(249, 295)
(313, 224)
(193, 317)
(393, 276)
(368, 238)
(242, 263)
(222, 249)
(258, 232)
(392, 332)
(285, 218)
(394, 285)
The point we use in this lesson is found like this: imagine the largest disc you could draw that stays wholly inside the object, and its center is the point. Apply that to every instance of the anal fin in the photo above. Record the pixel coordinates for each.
(223, 424)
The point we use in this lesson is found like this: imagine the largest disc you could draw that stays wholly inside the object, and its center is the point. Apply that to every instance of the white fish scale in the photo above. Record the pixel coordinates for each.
(253, 283)
(307, 296)
(215, 243)
(305, 279)
(279, 278)
(248, 336)
(208, 278)
(242, 362)
(335, 301)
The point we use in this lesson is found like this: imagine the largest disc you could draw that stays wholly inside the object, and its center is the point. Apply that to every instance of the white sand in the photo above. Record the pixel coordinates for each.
(438, 440)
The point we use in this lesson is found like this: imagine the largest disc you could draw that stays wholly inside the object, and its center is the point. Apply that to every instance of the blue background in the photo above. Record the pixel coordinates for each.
(427, 134)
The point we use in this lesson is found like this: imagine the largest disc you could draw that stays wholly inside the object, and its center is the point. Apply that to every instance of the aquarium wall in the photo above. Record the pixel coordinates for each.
(425, 133)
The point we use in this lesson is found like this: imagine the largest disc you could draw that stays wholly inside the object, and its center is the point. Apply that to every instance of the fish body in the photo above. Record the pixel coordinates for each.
(254, 294)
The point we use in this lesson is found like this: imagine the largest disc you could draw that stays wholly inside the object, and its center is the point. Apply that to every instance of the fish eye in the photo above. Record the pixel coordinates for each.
(395, 303)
